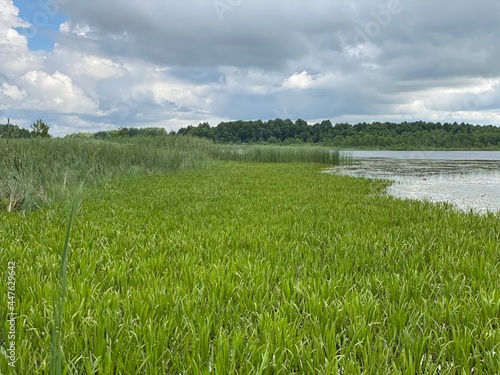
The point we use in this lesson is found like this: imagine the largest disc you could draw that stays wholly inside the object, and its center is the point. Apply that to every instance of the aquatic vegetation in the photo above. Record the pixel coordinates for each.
(266, 268)
(283, 154)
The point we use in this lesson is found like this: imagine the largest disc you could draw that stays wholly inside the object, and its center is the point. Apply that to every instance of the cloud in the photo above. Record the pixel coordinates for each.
(13, 46)
(168, 63)
(13, 92)
(304, 80)
(55, 93)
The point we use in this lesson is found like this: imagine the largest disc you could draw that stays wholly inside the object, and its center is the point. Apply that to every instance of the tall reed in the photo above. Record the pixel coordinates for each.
(282, 154)
(35, 172)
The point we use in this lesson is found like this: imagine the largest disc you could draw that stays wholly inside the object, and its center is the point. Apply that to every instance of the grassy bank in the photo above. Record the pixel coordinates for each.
(35, 172)
(257, 269)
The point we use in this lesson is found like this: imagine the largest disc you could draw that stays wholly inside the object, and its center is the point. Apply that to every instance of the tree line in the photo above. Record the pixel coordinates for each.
(387, 135)
(376, 135)
(39, 129)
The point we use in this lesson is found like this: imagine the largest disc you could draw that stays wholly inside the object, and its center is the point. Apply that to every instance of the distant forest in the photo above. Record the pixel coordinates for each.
(14, 131)
(39, 129)
(387, 135)
(376, 135)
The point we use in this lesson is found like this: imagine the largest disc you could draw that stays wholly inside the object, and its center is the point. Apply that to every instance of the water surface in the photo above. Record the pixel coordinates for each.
(430, 155)
(470, 180)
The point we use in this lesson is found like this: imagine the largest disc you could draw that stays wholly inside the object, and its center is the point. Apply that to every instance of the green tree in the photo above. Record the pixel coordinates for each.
(13, 131)
(40, 129)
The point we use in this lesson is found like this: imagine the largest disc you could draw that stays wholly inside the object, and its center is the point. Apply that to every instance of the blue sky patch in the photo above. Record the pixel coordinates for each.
(45, 18)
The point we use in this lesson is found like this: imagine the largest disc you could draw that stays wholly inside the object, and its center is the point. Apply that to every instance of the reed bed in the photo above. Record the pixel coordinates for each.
(283, 154)
(36, 172)
(257, 268)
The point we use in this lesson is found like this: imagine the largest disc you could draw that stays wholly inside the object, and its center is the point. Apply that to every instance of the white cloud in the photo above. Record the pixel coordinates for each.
(182, 95)
(16, 58)
(9, 15)
(98, 68)
(78, 29)
(174, 63)
(13, 91)
(55, 93)
(304, 81)
(299, 81)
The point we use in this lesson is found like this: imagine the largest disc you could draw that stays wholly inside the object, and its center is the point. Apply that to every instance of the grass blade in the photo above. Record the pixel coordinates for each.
(56, 350)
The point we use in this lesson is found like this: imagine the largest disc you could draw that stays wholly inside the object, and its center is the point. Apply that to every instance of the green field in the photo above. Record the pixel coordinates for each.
(233, 267)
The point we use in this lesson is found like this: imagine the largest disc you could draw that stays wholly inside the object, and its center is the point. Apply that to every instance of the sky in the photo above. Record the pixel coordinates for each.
(87, 66)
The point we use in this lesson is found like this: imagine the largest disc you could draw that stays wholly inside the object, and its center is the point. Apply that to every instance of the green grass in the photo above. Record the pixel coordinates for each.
(57, 353)
(257, 268)
(36, 172)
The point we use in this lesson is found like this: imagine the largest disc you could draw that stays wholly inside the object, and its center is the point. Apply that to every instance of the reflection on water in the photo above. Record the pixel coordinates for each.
(468, 184)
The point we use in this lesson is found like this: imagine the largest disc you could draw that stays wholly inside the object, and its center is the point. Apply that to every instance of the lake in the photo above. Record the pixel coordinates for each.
(470, 180)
